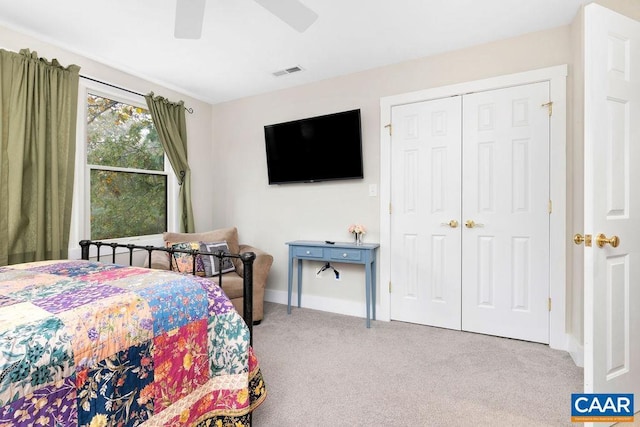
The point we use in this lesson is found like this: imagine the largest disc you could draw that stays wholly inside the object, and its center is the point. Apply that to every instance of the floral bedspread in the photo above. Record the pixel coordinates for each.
(90, 344)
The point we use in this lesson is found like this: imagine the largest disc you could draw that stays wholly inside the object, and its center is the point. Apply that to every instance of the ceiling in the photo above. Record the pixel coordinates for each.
(242, 43)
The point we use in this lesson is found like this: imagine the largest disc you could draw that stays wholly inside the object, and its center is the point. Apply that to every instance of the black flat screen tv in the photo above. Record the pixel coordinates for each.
(322, 148)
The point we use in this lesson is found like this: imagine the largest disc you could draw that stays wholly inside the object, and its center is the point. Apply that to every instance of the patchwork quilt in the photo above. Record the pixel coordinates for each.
(90, 344)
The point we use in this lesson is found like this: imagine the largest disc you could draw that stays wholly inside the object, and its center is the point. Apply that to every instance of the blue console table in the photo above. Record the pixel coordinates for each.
(339, 252)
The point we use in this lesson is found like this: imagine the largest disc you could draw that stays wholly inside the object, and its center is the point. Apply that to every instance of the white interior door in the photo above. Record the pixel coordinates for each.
(425, 243)
(612, 203)
(505, 200)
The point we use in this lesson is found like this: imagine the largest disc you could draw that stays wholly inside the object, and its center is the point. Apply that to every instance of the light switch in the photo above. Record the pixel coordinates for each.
(373, 190)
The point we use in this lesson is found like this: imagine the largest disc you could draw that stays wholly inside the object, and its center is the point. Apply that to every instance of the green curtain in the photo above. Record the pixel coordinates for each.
(38, 106)
(169, 120)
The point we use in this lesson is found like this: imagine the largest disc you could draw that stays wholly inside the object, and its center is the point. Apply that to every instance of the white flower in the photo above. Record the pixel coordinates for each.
(357, 229)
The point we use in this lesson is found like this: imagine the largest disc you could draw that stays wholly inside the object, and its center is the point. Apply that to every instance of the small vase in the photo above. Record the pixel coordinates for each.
(358, 238)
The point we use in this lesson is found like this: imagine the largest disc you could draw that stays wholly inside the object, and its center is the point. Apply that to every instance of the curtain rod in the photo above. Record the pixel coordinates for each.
(189, 110)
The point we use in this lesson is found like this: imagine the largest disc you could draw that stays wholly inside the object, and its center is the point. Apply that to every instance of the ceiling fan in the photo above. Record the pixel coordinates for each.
(190, 13)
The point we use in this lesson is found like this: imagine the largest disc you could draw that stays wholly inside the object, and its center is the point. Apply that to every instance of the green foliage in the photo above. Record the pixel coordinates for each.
(127, 204)
(124, 204)
(121, 135)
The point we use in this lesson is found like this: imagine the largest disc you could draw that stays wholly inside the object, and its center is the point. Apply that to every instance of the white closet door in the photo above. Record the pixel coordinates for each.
(425, 244)
(505, 241)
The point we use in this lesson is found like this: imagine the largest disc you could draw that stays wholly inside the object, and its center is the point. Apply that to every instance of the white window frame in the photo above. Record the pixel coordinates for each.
(81, 211)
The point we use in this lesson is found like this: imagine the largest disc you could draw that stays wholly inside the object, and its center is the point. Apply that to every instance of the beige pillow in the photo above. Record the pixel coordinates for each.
(230, 235)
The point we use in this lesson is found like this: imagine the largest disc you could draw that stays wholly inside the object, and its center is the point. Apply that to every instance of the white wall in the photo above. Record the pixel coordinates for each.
(268, 216)
(198, 123)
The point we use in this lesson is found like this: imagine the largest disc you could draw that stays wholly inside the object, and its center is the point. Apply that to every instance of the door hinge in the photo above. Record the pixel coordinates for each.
(549, 304)
(549, 105)
(550, 206)
(389, 286)
(390, 128)
(389, 208)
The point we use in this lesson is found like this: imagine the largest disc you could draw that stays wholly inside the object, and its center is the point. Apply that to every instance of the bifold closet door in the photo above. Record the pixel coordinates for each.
(505, 200)
(425, 229)
(470, 212)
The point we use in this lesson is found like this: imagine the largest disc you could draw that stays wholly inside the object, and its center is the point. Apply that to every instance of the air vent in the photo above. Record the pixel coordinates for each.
(287, 71)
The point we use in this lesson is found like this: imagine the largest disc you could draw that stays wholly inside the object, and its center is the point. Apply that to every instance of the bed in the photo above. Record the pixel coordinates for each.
(88, 343)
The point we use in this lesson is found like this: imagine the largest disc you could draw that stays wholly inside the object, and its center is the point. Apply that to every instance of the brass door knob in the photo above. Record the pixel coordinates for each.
(453, 223)
(471, 224)
(602, 240)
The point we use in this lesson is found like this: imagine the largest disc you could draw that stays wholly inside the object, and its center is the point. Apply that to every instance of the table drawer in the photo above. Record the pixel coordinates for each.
(310, 252)
(346, 254)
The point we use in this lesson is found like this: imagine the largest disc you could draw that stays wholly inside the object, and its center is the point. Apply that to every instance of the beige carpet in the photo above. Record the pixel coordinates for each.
(324, 369)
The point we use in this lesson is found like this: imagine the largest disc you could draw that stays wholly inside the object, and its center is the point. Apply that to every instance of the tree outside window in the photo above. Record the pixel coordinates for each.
(127, 172)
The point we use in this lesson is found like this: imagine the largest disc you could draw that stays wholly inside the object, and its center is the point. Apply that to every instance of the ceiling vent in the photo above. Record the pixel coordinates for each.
(287, 71)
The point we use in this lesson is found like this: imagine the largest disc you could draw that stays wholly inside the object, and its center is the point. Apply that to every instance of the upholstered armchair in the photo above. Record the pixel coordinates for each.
(232, 276)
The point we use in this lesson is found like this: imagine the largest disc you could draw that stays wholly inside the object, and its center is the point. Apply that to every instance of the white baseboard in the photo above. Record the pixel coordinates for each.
(332, 305)
(576, 350)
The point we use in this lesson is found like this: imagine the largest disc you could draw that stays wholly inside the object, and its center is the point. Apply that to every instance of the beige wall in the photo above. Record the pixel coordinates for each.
(268, 216)
(198, 124)
(630, 8)
(226, 148)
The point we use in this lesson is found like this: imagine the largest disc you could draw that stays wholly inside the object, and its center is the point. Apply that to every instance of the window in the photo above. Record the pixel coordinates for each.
(128, 178)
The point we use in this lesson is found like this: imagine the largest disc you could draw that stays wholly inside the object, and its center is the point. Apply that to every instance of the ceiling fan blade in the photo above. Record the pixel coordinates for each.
(189, 16)
(292, 12)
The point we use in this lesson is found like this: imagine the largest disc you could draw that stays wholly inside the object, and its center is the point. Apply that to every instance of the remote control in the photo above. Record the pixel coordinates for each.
(329, 242)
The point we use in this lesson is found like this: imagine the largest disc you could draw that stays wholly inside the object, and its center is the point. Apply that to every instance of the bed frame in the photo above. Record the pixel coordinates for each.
(247, 259)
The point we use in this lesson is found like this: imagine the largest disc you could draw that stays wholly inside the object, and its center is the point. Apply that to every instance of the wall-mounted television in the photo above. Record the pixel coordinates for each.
(322, 148)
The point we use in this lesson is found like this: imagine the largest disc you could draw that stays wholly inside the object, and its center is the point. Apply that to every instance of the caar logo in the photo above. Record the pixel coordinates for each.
(601, 407)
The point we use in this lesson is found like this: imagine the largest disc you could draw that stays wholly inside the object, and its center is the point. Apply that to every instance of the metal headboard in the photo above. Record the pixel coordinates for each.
(247, 259)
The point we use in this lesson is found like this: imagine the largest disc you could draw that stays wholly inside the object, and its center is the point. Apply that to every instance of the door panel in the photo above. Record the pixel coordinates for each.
(425, 265)
(505, 263)
(612, 202)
